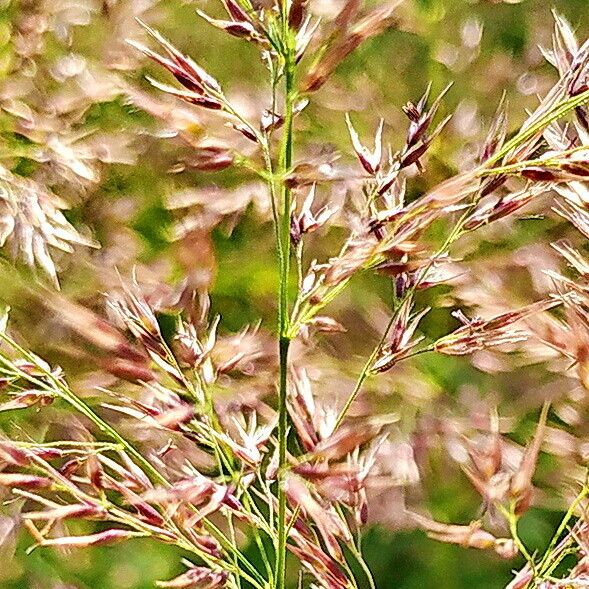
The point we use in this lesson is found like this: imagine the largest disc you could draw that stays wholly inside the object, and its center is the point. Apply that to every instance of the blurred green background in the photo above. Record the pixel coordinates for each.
(484, 47)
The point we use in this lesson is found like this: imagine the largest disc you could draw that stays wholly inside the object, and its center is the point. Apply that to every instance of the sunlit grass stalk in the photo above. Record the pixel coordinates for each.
(63, 391)
(67, 395)
(560, 110)
(543, 567)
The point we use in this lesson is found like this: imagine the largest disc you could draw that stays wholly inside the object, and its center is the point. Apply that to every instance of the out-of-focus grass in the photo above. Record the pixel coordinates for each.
(395, 67)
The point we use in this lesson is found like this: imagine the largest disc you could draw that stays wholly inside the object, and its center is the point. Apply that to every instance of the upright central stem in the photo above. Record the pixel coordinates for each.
(285, 164)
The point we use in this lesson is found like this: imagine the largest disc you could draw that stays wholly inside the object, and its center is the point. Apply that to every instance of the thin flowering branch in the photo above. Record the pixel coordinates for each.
(400, 339)
(478, 334)
(348, 37)
(196, 577)
(471, 536)
(193, 77)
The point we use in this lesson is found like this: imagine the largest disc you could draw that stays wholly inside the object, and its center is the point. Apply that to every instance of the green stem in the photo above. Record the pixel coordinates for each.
(285, 163)
(454, 234)
(548, 555)
(364, 373)
(512, 520)
(282, 434)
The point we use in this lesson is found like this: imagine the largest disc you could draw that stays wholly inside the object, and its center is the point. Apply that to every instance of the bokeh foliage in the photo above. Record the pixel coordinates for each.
(437, 41)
